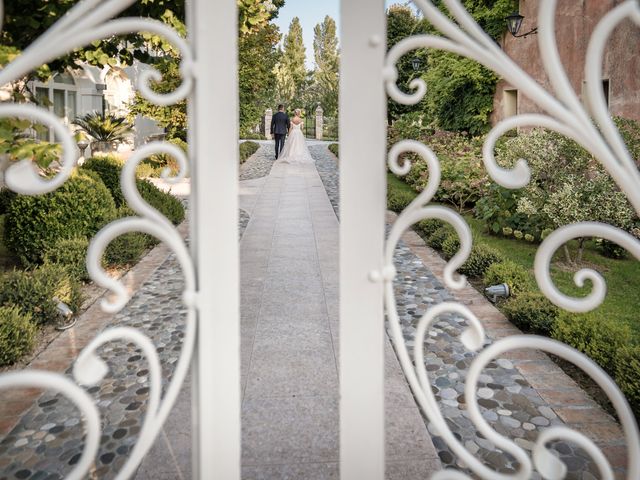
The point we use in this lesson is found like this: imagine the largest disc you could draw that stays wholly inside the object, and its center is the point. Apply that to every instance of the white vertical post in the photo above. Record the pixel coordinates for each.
(214, 145)
(362, 209)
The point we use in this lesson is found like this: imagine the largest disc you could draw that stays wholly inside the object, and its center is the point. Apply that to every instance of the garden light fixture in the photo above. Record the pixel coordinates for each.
(416, 63)
(66, 315)
(514, 22)
(497, 291)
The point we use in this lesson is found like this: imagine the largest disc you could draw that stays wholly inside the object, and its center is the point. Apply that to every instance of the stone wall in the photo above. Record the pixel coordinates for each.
(575, 22)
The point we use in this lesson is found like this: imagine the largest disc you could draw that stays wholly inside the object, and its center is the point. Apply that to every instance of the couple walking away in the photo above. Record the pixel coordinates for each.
(293, 149)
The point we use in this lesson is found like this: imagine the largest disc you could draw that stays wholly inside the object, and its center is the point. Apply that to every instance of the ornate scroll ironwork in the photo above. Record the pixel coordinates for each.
(87, 21)
(564, 114)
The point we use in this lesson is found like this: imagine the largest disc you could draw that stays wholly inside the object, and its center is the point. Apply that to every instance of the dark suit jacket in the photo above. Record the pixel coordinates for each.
(280, 124)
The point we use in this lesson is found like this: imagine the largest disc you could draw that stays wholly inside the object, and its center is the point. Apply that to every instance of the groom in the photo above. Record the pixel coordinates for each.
(280, 124)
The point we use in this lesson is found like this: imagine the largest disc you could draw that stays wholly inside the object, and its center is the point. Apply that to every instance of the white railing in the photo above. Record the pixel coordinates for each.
(565, 114)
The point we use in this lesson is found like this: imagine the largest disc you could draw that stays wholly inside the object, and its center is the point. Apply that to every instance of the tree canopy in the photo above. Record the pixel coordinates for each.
(291, 71)
(326, 76)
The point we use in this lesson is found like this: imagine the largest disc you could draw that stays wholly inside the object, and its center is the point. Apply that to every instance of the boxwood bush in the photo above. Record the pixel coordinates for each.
(79, 208)
(437, 238)
(247, 149)
(17, 334)
(425, 228)
(511, 273)
(532, 312)
(108, 168)
(627, 366)
(126, 249)
(398, 200)
(71, 253)
(34, 291)
(479, 261)
(450, 246)
(335, 149)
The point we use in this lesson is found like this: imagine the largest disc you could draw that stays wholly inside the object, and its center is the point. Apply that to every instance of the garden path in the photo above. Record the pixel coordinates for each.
(289, 360)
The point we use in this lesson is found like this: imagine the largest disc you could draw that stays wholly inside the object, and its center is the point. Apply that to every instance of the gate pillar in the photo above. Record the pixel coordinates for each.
(319, 122)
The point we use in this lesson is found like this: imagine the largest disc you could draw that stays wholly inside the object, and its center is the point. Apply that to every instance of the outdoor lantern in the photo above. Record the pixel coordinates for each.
(66, 315)
(497, 291)
(82, 146)
(514, 22)
(416, 63)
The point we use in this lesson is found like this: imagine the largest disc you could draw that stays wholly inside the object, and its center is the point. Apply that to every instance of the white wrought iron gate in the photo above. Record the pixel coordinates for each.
(211, 268)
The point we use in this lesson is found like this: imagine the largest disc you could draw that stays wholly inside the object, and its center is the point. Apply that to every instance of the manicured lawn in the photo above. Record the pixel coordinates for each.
(622, 301)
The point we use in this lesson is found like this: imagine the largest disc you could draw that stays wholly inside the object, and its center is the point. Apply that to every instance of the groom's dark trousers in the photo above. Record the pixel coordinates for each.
(280, 124)
(279, 143)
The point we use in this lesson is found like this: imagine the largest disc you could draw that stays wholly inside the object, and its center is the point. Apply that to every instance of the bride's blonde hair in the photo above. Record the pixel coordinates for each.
(298, 112)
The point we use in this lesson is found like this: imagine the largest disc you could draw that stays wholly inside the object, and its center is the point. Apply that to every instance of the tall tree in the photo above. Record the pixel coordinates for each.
(291, 71)
(326, 76)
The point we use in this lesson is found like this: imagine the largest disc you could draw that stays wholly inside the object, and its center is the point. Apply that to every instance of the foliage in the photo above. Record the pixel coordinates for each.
(126, 249)
(17, 143)
(630, 131)
(437, 238)
(291, 72)
(165, 203)
(247, 149)
(155, 165)
(80, 207)
(38, 291)
(426, 227)
(480, 259)
(610, 249)
(254, 14)
(532, 312)
(173, 118)
(108, 168)
(326, 76)
(398, 200)
(402, 22)
(513, 274)
(450, 246)
(104, 127)
(70, 253)
(335, 149)
(627, 366)
(17, 334)
(595, 336)
(463, 178)
(6, 197)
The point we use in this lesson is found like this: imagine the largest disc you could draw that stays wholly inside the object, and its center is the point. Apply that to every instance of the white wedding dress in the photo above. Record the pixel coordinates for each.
(295, 148)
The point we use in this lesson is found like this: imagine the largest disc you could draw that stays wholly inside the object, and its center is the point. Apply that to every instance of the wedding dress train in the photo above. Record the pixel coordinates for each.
(295, 148)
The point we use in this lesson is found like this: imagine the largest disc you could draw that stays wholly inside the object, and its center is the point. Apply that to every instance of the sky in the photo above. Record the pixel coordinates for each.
(310, 13)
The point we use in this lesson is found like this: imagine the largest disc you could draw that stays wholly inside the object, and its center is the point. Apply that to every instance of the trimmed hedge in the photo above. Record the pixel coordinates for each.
(108, 168)
(479, 261)
(511, 273)
(425, 228)
(335, 149)
(437, 238)
(79, 208)
(6, 197)
(398, 200)
(627, 366)
(532, 312)
(71, 253)
(247, 149)
(17, 334)
(126, 249)
(34, 291)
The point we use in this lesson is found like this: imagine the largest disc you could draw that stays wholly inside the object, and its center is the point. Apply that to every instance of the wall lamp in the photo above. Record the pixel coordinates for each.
(514, 22)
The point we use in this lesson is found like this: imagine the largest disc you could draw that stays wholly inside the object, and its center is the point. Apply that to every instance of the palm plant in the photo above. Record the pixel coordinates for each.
(104, 129)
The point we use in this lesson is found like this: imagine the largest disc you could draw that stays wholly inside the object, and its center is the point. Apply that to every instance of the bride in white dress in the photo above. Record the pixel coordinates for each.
(295, 148)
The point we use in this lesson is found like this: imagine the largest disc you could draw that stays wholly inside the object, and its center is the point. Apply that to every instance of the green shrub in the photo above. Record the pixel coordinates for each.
(426, 227)
(450, 246)
(335, 149)
(6, 197)
(154, 165)
(598, 338)
(479, 261)
(71, 253)
(17, 334)
(108, 168)
(511, 273)
(79, 208)
(532, 312)
(34, 291)
(626, 374)
(611, 249)
(126, 249)
(247, 149)
(437, 238)
(398, 200)
(165, 203)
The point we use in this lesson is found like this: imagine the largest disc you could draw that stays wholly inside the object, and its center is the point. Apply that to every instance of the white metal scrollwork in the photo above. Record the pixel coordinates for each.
(566, 115)
(87, 21)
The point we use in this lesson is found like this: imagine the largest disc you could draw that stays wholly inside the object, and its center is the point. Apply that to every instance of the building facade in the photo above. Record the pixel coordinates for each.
(575, 23)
